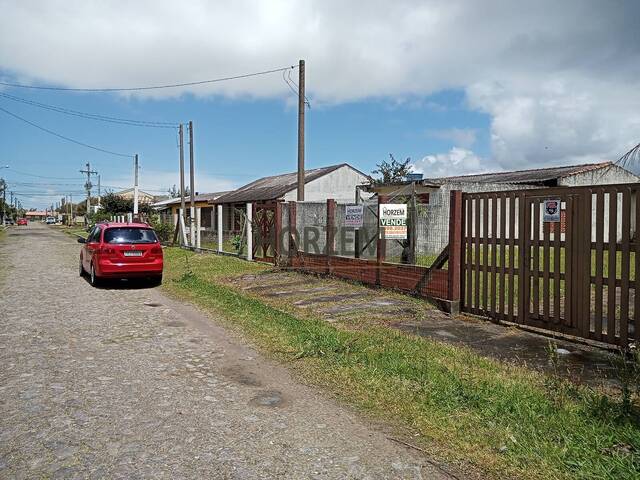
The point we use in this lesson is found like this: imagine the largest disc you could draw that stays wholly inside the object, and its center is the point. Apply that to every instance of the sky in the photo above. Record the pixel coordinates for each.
(458, 86)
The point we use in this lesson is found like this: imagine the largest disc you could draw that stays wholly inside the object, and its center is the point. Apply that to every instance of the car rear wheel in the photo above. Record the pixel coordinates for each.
(93, 278)
(156, 281)
(81, 269)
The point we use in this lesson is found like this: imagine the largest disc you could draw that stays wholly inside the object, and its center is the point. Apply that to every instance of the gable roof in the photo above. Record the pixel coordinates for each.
(532, 176)
(130, 190)
(273, 187)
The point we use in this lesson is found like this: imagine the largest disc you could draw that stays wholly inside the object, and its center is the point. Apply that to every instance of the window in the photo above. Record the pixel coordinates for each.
(129, 235)
(94, 236)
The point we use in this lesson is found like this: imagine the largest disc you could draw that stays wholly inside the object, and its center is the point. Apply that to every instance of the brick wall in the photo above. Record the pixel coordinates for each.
(407, 278)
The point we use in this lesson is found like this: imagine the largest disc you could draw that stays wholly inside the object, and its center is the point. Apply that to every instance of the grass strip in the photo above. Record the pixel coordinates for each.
(507, 420)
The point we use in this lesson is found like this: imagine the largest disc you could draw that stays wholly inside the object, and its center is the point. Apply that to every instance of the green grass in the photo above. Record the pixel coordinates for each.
(74, 231)
(460, 407)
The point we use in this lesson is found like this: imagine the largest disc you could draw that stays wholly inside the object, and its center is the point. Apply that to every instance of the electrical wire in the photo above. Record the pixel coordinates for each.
(77, 142)
(91, 116)
(156, 87)
(41, 176)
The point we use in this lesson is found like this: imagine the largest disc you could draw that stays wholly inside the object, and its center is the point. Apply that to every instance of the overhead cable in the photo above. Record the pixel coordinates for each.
(155, 87)
(77, 142)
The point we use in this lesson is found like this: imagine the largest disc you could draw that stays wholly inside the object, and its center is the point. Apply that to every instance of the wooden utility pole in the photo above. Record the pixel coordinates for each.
(192, 225)
(301, 105)
(135, 185)
(182, 207)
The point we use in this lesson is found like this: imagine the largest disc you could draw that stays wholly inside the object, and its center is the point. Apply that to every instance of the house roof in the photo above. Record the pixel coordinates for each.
(274, 187)
(130, 190)
(199, 197)
(533, 176)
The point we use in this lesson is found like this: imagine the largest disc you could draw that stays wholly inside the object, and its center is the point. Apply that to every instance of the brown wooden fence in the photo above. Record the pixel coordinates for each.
(576, 276)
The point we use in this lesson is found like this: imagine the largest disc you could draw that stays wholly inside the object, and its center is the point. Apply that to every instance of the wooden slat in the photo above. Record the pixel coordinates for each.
(611, 273)
(585, 259)
(469, 266)
(476, 303)
(599, 259)
(511, 229)
(636, 297)
(557, 257)
(523, 258)
(485, 254)
(463, 256)
(536, 257)
(624, 270)
(503, 239)
(546, 291)
(494, 252)
(568, 264)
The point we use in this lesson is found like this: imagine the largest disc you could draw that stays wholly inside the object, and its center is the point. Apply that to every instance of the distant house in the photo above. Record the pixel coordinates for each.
(434, 220)
(169, 208)
(335, 181)
(143, 197)
(35, 216)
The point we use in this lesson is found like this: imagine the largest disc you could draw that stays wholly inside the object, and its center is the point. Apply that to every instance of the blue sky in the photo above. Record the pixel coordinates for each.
(460, 86)
(235, 140)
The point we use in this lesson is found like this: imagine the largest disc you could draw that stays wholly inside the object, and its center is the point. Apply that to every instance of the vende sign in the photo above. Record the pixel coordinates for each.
(353, 216)
(393, 221)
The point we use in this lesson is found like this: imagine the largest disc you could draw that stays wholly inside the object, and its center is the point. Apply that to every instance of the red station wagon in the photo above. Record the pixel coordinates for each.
(121, 250)
(22, 221)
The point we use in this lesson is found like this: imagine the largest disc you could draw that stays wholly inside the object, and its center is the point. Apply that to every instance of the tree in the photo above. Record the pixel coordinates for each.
(174, 192)
(392, 171)
(113, 204)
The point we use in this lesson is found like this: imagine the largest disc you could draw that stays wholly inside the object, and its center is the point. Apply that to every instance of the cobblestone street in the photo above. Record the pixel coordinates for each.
(123, 382)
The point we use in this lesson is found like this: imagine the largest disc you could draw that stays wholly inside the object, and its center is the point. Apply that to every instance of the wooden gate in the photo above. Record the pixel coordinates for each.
(575, 276)
(267, 225)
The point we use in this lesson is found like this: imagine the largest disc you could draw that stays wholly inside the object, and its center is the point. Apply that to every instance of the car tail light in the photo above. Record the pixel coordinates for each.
(107, 250)
(157, 250)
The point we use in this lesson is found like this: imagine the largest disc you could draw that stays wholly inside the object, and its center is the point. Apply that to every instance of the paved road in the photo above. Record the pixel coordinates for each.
(125, 383)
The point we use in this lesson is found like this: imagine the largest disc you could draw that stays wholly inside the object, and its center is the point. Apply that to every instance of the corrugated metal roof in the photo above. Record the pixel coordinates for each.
(200, 197)
(274, 187)
(533, 176)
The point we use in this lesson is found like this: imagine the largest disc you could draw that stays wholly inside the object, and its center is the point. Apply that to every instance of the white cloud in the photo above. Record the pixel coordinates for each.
(561, 80)
(458, 161)
(463, 137)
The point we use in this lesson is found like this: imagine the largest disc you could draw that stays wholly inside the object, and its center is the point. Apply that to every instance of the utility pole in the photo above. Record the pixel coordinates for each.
(88, 186)
(99, 196)
(182, 206)
(192, 187)
(301, 106)
(135, 186)
(3, 184)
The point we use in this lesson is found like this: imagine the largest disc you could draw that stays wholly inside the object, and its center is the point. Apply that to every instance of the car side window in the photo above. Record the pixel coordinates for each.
(94, 236)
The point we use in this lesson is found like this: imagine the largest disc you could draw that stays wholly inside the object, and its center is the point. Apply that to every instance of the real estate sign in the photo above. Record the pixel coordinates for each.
(551, 212)
(354, 216)
(393, 220)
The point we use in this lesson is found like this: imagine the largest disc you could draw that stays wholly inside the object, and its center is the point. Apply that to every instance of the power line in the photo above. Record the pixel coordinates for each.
(77, 142)
(156, 87)
(41, 176)
(91, 116)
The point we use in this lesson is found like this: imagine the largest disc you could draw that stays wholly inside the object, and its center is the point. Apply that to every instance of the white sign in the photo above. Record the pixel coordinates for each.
(551, 212)
(393, 220)
(354, 216)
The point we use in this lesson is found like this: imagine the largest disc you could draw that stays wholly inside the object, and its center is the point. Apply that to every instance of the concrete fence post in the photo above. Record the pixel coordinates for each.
(455, 249)
(293, 234)
(381, 247)
(249, 230)
(220, 228)
(197, 232)
(330, 247)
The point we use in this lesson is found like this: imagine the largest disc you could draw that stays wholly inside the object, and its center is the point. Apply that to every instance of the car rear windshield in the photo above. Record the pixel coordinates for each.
(129, 235)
